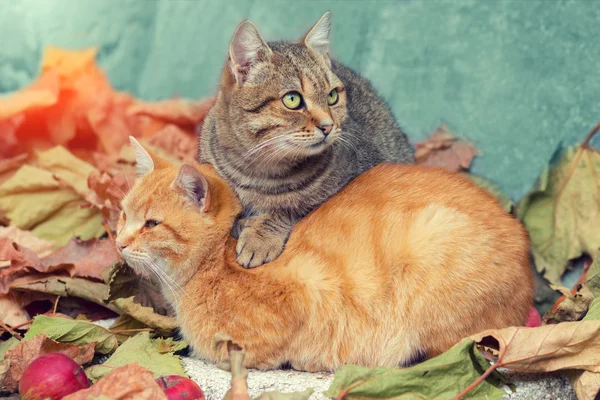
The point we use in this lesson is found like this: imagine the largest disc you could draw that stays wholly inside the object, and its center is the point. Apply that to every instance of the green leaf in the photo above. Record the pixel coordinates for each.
(72, 331)
(145, 352)
(441, 377)
(593, 313)
(504, 200)
(7, 345)
(593, 281)
(561, 212)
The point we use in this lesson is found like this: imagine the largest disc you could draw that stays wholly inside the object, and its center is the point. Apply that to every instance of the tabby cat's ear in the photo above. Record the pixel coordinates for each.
(317, 38)
(194, 185)
(143, 161)
(245, 50)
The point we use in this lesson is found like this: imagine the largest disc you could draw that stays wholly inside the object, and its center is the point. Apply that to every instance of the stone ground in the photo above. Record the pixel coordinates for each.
(215, 382)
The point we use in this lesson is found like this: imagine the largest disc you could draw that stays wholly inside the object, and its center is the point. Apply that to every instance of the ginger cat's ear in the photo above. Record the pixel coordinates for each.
(317, 39)
(144, 163)
(194, 185)
(245, 49)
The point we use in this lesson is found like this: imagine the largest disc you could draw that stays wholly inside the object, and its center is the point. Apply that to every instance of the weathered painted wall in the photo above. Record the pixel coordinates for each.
(518, 77)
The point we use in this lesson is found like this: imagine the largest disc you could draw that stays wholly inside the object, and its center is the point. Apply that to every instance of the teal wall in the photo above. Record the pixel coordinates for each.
(517, 77)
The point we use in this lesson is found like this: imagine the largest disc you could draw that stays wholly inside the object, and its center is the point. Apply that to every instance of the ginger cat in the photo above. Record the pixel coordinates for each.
(404, 261)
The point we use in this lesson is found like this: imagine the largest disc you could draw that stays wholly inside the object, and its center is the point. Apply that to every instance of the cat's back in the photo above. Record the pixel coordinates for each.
(371, 116)
(416, 247)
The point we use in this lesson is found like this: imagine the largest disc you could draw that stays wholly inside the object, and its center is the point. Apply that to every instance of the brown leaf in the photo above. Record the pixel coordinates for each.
(80, 258)
(568, 345)
(176, 142)
(26, 239)
(586, 384)
(129, 382)
(235, 365)
(12, 311)
(176, 111)
(106, 194)
(26, 351)
(572, 308)
(85, 258)
(443, 149)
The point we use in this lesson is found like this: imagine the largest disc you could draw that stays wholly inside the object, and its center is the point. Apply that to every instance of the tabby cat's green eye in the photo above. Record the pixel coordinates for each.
(333, 97)
(292, 100)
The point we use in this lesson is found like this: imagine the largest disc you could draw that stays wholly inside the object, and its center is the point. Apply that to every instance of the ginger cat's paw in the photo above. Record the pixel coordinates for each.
(258, 244)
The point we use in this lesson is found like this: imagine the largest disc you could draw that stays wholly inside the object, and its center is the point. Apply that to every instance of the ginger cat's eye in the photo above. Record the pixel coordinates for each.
(332, 97)
(292, 100)
(151, 223)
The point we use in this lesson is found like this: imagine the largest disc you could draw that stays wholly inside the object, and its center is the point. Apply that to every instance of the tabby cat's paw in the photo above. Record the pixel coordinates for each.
(256, 247)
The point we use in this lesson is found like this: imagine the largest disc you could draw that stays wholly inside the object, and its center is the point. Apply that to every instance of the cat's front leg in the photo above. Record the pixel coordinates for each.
(262, 239)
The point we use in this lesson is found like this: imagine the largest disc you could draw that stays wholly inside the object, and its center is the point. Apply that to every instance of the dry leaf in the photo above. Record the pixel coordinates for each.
(568, 345)
(176, 142)
(25, 239)
(9, 166)
(106, 195)
(572, 308)
(37, 200)
(586, 384)
(443, 149)
(239, 375)
(80, 258)
(12, 312)
(146, 315)
(235, 365)
(25, 352)
(561, 212)
(129, 382)
(174, 111)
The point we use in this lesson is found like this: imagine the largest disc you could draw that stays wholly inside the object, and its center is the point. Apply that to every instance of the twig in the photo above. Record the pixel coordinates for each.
(22, 325)
(131, 330)
(589, 136)
(9, 330)
(55, 305)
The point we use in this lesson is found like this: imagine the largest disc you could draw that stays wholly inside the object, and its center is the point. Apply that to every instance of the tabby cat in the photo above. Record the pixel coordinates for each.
(405, 260)
(290, 128)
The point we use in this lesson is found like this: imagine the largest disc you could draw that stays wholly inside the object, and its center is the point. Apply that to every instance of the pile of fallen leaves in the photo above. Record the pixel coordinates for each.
(65, 166)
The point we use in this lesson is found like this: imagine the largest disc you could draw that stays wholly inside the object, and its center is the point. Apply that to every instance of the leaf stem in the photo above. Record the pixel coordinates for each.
(131, 330)
(589, 136)
(55, 305)
(9, 330)
(472, 386)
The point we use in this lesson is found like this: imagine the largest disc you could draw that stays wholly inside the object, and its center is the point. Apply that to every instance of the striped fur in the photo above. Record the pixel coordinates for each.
(273, 156)
(402, 263)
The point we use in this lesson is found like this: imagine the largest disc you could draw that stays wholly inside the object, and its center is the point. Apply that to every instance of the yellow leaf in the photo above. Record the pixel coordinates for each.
(67, 168)
(49, 202)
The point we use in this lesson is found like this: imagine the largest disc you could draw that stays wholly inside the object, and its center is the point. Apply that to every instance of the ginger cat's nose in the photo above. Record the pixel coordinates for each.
(121, 247)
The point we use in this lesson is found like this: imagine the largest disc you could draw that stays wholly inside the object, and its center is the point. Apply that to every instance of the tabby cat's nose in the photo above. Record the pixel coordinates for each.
(325, 128)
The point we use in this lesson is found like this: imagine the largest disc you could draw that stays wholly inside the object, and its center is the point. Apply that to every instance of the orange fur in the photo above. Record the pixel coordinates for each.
(405, 259)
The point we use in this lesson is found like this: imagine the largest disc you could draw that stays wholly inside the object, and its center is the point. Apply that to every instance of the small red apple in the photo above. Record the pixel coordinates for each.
(180, 388)
(52, 376)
